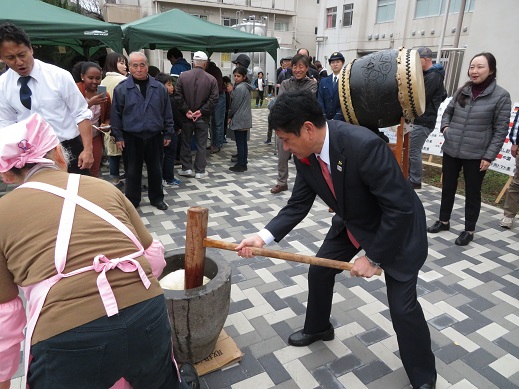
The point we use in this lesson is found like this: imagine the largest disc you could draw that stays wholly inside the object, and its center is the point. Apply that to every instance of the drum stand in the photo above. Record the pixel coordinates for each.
(401, 148)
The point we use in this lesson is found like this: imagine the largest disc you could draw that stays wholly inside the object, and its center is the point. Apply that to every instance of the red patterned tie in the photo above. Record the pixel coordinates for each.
(328, 179)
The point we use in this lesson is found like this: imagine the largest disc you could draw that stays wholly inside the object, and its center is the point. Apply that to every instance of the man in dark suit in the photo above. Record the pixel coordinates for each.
(376, 210)
(328, 93)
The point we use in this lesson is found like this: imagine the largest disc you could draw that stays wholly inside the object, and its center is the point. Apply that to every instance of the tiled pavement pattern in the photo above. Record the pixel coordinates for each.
(470, 294)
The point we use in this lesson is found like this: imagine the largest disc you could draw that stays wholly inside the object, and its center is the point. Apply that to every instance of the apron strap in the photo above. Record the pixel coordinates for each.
(88, 205)
(65, 224)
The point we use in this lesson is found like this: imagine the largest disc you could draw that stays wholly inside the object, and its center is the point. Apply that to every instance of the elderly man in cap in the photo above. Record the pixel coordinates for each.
(196, 95)
(328, 94)
(435, 93)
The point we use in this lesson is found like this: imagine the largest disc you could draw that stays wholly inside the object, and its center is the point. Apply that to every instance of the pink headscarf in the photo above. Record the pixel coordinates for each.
(26, 142)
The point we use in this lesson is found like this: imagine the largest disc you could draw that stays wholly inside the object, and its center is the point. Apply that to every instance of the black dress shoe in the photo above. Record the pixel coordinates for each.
(429, 385)
(238, 168)
(160, 205)
(189, 375)
(439, 226)
(464, 239)
(300, 339)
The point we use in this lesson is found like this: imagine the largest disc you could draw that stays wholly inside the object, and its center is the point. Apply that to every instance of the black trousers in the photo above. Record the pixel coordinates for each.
(451, 168)
(134, 344)
(139, 151)
(414, 339)
(75, 147)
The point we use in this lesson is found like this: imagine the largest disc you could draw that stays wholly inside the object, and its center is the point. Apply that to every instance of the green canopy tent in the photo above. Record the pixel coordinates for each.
(176, 28)
(49, 25)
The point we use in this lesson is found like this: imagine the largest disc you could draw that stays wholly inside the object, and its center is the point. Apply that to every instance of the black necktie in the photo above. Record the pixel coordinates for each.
(25, 92)
(335, 79)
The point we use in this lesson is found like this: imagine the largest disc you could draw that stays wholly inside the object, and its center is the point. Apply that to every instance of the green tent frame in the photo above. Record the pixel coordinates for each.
(176, 28)
(50, 25)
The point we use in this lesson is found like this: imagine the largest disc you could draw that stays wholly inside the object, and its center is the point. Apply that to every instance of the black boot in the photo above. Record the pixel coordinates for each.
(189, 375)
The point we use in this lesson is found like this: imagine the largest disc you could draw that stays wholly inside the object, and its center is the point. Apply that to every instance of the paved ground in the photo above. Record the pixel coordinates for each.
(470, 294)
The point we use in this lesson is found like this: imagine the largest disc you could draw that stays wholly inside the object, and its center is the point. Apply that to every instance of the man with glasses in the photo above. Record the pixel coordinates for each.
(142, 123)
(31, 86)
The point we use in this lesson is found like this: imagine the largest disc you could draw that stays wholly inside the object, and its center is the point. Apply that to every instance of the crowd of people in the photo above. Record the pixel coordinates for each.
(53, 125)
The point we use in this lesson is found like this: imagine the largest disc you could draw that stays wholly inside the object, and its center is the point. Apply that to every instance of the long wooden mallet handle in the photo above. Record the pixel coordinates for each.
(220, 244)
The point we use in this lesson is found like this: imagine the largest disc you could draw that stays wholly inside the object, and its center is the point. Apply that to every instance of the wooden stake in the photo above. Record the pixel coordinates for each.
(220, 244)
(196, 231)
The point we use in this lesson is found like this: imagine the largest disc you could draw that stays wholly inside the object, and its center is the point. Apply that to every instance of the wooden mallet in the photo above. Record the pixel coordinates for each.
(197, 242)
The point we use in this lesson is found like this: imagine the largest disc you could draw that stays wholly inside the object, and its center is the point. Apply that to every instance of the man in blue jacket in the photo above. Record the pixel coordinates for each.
(328, 94)
(142, 124)
(178, 63)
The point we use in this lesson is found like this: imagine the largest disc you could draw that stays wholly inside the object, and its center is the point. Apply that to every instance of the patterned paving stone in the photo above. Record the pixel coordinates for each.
(470, 294)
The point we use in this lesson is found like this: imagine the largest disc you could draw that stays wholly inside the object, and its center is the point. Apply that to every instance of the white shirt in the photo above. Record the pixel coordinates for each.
(325, 156)
(55, 96)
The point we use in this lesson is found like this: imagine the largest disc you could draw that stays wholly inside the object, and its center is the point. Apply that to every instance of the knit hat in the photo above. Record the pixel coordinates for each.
(243, 60)
(26, 142)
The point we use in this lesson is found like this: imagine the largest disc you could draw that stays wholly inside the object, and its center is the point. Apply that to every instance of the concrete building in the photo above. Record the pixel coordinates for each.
(292, 22)
(359, 27)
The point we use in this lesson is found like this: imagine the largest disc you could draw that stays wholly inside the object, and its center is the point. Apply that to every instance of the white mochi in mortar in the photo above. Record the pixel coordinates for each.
(175, 280)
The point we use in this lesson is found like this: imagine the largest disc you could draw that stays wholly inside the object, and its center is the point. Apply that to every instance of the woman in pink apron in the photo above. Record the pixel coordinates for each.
(87, 266)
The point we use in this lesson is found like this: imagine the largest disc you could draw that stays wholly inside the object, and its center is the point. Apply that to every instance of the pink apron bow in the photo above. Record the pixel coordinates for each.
(101, 265)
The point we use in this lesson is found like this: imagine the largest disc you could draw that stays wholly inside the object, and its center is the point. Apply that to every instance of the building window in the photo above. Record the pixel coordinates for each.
(456, 5)
(203, 17)
(228, 22)
(385, 10)
(331, 17)
(347, 15)
(281, 26)
(426, 8)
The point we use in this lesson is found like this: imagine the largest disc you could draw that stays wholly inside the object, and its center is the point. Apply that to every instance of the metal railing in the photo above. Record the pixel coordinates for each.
(452, 60)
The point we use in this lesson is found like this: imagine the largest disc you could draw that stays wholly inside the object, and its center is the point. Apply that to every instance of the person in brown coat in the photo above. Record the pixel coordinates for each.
(196, 95)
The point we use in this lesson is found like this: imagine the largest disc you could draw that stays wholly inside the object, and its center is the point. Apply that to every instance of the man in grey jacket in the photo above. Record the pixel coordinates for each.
(423, 125)
(196, 94)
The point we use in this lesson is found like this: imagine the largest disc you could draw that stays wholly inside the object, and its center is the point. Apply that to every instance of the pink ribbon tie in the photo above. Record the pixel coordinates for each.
(102, 264)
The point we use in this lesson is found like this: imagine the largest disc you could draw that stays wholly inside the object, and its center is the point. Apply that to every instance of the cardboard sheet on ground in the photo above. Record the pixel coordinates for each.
(225, 353)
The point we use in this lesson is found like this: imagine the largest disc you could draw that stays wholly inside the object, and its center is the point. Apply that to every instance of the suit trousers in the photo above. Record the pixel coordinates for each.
(199, 130)
(414, 340)
(75, 147)
(451, 168)
(151, 152)
(512, 197)
(283, 158)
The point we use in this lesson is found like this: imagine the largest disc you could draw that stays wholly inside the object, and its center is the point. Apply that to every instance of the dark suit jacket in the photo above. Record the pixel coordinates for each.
(374, 201)
(328, 97)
